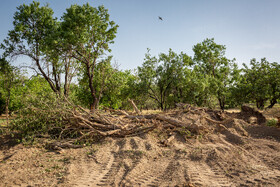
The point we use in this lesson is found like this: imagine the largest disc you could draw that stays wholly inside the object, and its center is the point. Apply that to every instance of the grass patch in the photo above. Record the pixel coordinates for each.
(3, 122)
(271, 123)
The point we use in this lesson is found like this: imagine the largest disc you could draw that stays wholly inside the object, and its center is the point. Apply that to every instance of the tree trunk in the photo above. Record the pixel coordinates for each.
(56, 79)
(94, 105)
(48, 79)
(90, 74)
(7, 107)
(273, 101)
(135, 107)
(222, 104)
(260, 103)
(66, 88)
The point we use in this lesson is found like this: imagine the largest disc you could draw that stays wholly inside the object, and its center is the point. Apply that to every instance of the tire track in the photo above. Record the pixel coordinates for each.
(146, 174)
(261, 176)
(128, 170)
(107, 175)
(133, 155)
(96, 175)
(175, 173)
(201, 174)
(271, 161)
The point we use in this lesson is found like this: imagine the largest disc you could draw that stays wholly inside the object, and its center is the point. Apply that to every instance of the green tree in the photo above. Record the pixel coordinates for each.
(88, 32)
(133, 89)
(110, 84)
(10, 79)
(274, 83)
(198, 89)
(211, 62)
(32, 33)
(103, 72)
(161, 78)
(260, 82)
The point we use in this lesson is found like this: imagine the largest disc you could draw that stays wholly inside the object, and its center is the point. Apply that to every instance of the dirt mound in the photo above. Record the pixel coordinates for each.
(220, 149)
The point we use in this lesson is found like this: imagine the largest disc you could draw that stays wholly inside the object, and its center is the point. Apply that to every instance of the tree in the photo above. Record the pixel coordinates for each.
(103, 73)
(87, 32)
(33, 31)
(161, 77)
(9, 79)
(260, 82)
(211, 61)
(274, 83)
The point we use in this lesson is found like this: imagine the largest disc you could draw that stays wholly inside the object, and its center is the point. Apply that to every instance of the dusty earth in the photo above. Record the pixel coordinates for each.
(238, 151)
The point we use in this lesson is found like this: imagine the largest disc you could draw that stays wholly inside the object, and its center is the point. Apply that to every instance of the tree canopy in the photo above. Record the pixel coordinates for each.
(77, 47)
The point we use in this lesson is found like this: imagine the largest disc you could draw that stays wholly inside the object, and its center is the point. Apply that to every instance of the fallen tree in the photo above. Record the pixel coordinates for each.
(60, 119)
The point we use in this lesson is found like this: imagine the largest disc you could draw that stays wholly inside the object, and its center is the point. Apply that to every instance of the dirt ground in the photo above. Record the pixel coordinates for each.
(236, 152)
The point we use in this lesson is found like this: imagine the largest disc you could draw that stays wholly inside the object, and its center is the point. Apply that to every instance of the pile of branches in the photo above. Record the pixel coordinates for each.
(61, 119)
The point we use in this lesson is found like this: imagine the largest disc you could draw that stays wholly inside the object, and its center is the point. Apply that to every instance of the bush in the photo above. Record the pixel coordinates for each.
(271, 123)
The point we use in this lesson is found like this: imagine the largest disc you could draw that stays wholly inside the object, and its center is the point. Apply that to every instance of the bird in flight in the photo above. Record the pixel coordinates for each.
(160, 18)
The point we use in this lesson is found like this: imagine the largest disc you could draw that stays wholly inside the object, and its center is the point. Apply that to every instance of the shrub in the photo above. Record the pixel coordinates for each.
(271, 123)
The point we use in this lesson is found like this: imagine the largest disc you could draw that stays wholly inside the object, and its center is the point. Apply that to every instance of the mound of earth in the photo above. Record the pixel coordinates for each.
(225, 149)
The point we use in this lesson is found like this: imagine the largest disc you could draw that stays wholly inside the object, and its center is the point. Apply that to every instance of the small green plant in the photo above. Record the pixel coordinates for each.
(185, 132)
(65, 160)
(196, 154)
(271, 123)
(56, 167)
(91, 151)
(47, 170)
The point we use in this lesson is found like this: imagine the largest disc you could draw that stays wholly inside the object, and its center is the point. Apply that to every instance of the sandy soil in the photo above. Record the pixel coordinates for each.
(242, 155)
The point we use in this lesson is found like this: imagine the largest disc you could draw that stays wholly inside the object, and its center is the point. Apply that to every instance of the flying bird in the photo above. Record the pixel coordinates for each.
(160, 18)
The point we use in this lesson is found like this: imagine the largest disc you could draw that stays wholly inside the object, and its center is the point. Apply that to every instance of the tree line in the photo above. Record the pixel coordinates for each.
(78, 48)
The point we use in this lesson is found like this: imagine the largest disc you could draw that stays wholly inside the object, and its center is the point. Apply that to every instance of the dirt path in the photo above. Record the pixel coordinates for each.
(143, 162)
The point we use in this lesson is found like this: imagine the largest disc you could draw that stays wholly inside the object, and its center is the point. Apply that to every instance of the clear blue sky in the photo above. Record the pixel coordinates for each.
(248, 28)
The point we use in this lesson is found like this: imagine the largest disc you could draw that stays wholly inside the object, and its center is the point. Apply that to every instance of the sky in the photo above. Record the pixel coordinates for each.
(248, 28)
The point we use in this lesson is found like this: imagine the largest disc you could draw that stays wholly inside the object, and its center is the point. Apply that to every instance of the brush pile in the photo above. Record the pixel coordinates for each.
(60, 119)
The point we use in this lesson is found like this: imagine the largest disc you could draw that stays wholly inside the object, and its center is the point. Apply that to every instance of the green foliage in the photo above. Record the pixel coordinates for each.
(41, 115)
(34, 87)
(109, 84)
(62, 48)
(34, 28)
(210, 61)
(271, 123)
(88, 31)
(32, 25)
(132, 89)
(199, 92)
(260, 83)
(205, 80)
(274, 83)
(162, 78)
(79, 44)
(11, 80)
(88, 28)
(185, 132)
(38, 110)
(2, 103)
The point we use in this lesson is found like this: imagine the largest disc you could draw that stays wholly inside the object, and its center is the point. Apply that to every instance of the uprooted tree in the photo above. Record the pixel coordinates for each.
(58, 118)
